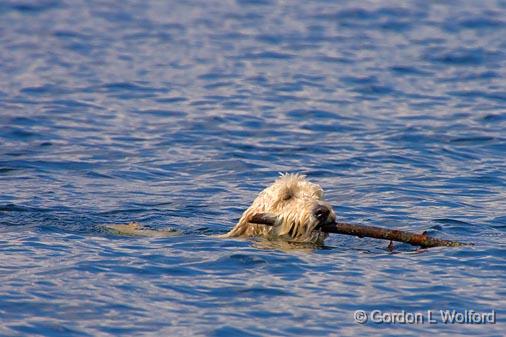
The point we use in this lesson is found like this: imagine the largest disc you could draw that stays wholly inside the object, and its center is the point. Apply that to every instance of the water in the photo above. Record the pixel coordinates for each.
(177, 114)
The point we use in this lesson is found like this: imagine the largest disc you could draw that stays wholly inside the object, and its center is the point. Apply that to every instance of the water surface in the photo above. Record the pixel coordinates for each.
(176, 114)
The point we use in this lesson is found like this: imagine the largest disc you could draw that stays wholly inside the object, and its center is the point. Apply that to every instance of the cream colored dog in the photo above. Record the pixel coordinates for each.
(297, 207)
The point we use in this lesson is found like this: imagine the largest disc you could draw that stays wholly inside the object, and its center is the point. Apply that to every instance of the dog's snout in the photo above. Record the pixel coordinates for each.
(321, 212)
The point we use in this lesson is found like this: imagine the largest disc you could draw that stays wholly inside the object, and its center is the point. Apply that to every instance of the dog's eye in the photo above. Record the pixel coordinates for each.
(286, 193)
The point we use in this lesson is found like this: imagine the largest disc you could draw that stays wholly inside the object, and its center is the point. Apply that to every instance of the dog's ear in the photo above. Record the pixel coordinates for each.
(267, 219)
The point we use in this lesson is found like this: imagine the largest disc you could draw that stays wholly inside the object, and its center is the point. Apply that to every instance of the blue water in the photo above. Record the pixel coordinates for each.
(176, 114)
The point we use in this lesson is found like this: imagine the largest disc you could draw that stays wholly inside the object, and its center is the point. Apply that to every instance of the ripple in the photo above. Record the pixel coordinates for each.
(175, 115)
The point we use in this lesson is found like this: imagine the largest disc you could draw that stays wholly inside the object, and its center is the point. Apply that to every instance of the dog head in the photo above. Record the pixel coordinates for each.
(295, 207)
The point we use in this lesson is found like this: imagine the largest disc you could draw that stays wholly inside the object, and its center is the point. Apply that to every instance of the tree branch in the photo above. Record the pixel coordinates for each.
(422, 240)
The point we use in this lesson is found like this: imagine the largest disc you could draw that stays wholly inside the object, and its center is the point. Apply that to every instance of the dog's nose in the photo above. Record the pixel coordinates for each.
(321, 213)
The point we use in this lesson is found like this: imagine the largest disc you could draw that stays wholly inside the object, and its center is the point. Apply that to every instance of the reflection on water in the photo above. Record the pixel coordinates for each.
(176, 114)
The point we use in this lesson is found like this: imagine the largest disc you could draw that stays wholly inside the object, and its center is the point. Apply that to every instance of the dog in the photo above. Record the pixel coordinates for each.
(297, 207)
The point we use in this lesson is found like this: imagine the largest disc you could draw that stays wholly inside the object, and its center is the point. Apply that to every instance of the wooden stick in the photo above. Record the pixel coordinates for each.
(422, 240)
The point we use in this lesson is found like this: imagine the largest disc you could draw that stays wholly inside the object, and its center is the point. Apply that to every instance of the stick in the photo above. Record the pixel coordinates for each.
(414, 239)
